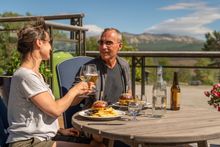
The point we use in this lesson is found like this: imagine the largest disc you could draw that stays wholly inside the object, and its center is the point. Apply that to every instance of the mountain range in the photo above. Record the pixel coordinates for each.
(163, 42)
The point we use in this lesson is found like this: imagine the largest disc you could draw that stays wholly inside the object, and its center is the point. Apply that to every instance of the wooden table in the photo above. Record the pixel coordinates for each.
(189, 125)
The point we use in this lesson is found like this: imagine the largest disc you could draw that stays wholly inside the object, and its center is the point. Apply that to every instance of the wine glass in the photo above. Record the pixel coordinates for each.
(82, 73)
(134, 108)
(145, 105)
(88, 73)
(142, 100)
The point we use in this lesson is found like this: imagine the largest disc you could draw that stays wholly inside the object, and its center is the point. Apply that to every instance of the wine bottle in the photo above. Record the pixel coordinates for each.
(159, 100)
(175, 93)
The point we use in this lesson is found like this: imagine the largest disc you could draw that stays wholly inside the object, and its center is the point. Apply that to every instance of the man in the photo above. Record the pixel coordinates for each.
(114, 72)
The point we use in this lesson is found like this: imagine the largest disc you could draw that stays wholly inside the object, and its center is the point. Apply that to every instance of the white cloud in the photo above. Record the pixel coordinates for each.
(180, 6)
(93, 30)
(194, 24)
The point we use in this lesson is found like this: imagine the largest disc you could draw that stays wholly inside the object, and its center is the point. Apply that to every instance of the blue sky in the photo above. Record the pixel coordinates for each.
(182, 17)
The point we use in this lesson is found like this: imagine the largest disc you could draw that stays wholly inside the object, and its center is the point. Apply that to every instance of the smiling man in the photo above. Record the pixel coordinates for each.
(114, 72)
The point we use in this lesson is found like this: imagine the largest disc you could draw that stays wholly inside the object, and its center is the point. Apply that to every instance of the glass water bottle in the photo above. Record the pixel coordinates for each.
(159, 100)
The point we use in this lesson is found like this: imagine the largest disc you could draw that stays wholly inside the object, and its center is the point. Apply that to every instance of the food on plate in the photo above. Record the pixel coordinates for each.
(125, 98)
(108, 112)
(101, 109)
(99, 105)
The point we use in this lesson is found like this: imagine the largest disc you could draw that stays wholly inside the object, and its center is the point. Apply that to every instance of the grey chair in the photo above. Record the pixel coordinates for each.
(66, 72)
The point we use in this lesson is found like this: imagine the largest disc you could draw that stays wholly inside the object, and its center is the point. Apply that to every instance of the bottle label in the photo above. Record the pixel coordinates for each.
(175, 100)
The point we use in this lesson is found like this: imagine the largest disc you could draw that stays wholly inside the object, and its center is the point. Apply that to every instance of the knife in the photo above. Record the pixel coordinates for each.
(105, 123)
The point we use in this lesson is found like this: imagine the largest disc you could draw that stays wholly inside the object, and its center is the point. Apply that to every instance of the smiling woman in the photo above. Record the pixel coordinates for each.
(31, 98)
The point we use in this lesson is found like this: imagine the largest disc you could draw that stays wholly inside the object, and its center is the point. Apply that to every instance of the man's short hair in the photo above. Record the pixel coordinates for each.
(113, 29)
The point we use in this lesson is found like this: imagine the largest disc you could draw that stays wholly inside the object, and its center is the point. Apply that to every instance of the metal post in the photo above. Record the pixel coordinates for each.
(142, 76)
(147, 77)
(219, 77)
(133, 67)
(51, 58)
(84, 44)
(75, 35)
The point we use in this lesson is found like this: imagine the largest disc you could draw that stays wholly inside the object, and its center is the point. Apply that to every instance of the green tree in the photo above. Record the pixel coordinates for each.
(212, 44)
(184, 75)
(212, 41)
(126, 46)
(205, 76)
(9, 57)
(91, 44)
(61, 42)
(8, 53)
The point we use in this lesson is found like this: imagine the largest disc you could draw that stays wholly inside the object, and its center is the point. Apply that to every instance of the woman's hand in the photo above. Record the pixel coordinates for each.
(83, 88)
(68, 132)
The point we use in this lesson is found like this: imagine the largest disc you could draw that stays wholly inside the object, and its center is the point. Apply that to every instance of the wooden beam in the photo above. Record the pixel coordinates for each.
(31, 18)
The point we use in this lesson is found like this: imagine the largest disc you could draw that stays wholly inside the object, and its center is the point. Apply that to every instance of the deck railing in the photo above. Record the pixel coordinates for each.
(138, 60)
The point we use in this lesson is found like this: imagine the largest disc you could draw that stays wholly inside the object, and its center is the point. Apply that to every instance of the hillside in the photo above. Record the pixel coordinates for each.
(160, 42)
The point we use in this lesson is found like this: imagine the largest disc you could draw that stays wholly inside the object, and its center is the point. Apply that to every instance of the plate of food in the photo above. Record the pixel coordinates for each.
(100, 111)
(117, 105)
(123, 101)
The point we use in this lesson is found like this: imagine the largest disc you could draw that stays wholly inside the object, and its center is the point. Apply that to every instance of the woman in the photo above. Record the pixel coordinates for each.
(32, 109)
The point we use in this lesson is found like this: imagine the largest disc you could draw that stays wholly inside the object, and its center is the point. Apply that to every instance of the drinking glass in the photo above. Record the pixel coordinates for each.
(88, 73)
(141, 100)
(134, 108)
(82, 73)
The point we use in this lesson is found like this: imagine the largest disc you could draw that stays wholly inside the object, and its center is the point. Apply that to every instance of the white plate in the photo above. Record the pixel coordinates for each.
(123, 107)
(119, 106)
(85, 115)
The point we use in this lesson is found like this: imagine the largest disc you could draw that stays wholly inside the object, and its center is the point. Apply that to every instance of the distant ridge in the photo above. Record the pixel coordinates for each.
(160, 42)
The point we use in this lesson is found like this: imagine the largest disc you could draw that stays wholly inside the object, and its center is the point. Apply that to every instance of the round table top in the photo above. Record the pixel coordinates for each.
(189, 124)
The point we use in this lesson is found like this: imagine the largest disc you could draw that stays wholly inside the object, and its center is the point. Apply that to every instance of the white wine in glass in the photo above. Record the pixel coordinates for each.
(83, 72)
(88, 73)
(91, 77)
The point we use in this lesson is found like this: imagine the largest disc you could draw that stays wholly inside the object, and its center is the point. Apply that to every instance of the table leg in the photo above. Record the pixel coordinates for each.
(202, 144)
(110, 143)
(134, 144)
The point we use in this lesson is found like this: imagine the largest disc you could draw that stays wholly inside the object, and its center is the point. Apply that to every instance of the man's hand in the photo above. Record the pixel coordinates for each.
(68, 132)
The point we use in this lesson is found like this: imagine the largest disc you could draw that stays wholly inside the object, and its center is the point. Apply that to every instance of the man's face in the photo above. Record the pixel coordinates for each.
(109, 45)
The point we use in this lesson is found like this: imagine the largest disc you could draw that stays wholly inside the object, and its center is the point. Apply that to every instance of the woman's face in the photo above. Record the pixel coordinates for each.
(45, 49)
